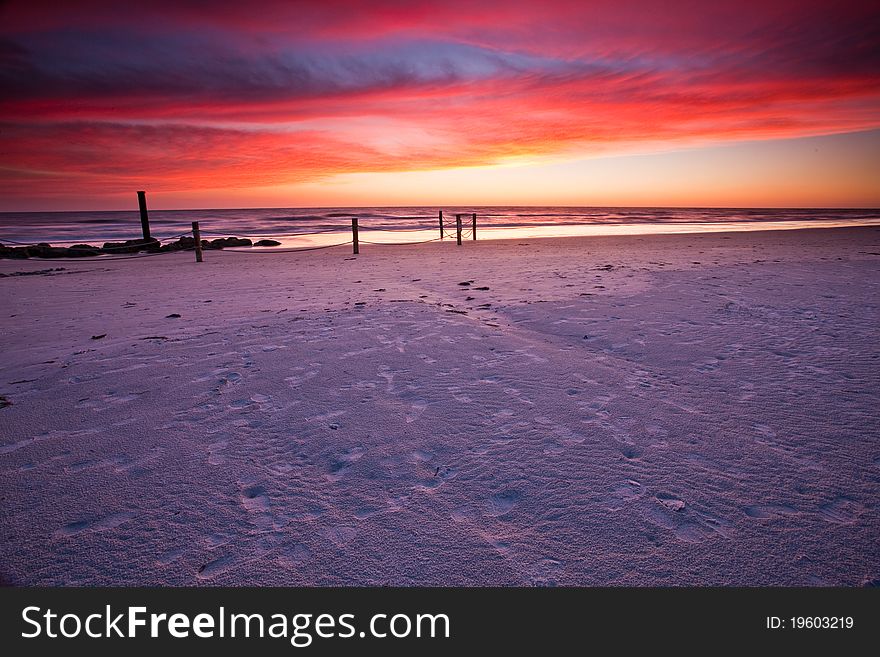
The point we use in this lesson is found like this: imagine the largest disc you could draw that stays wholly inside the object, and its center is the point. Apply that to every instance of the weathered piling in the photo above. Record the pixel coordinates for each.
(145, 219)
(197, 236)
(354, 235)
(441, 224)
(458, 228)
(474, 231)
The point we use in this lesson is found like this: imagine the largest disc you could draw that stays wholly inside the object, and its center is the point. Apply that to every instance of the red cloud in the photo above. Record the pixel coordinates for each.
(186, 96)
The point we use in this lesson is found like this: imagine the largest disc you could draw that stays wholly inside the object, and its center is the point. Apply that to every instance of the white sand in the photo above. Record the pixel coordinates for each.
(691, 409)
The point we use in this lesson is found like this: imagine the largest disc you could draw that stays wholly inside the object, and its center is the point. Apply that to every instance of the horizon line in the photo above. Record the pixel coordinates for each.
(444, 207)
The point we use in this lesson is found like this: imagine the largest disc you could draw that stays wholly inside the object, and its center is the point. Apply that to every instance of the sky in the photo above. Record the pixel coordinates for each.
(342, 102)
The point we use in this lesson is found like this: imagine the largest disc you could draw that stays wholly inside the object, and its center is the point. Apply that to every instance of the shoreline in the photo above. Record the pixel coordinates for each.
(284, 247)
(71, 248)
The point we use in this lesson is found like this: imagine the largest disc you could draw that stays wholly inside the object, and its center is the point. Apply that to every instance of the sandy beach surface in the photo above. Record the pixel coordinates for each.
(646, 410)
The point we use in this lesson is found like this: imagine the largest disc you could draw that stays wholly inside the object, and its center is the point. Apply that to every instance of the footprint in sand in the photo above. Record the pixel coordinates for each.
(255, 499)
(343, 462)
(545, 572)
(439, 475)
(216, 567)
(170, 556)
(340, 535)
(213, 541)
(134, 466)
(97, 525)
(708, 365)
(281, 468)
(504, 502)
(841, 510)
(294, 556)
(500, 545)
(420, 455)
(311, 511)
(670, 502)
(365, 512)
(668, 512)
(464, 514)
(416, 409)
(622, 495)
(82, 465)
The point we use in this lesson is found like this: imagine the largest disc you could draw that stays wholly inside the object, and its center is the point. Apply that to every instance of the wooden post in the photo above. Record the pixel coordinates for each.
(441, 224)
(354, 235)
(198, 238)
(458, 228)
(145, 219)
(475, 226)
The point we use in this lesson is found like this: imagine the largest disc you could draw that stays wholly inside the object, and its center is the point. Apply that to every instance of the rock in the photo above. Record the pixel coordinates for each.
(172, 316)
(44, 250)
(83, 251)
(99, 337)
(13, 252)
(268, 243)
(224, 242)
(132, 246)
(181, 244)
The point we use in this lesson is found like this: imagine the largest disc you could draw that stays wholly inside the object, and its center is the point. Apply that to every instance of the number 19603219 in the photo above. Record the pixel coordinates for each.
(810, 623)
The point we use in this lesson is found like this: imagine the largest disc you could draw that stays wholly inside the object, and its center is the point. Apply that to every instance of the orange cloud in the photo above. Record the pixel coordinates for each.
(181, 100)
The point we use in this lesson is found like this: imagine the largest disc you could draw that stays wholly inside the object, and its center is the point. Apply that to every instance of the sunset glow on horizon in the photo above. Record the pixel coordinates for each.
(336, 103)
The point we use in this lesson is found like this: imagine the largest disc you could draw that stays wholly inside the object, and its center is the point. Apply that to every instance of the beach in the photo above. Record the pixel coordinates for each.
(696, 409)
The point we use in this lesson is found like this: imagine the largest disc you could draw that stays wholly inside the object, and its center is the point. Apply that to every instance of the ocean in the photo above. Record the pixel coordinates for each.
(311, 226)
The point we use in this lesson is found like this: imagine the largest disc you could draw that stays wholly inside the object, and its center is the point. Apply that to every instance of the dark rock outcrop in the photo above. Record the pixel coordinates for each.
(48, 251)
(181, 244)
(152, 245)
(224, 242)
(132, 246)
(13, 252)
